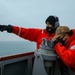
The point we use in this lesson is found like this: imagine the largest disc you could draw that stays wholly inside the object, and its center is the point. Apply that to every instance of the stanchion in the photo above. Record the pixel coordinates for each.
(48, 55)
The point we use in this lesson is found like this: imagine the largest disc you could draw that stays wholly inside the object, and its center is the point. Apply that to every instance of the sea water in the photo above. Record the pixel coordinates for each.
(16, 47)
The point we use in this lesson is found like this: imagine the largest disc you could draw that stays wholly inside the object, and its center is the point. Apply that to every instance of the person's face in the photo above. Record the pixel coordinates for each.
(48, 25)
(65, 37)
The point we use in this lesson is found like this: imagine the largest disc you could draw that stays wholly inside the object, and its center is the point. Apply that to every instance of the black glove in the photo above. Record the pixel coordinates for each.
(59, 40)
(8, 28)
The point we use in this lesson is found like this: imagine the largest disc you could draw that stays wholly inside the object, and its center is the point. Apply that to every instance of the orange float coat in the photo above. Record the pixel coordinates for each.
(67, 52)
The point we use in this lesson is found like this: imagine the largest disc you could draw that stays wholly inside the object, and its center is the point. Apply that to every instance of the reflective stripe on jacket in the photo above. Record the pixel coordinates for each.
(32, 34)
(67, 52)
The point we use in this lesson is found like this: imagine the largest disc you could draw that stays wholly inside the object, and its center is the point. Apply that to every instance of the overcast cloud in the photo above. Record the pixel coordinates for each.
(33, 13)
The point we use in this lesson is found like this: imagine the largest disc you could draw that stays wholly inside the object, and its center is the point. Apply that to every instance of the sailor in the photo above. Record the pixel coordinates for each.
(34, 34)
(64, 45)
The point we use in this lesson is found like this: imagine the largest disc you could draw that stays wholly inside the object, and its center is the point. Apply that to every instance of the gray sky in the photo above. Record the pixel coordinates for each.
(33, 13)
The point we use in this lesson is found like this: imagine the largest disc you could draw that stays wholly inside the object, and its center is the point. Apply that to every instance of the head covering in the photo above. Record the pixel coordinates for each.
(61, 30)
(53, 20)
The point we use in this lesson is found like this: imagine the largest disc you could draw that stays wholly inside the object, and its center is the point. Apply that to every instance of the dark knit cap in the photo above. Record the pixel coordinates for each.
(52, 20)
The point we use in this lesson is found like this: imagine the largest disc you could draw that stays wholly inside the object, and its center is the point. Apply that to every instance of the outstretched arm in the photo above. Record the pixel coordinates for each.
(26, 33)
(31, 34)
